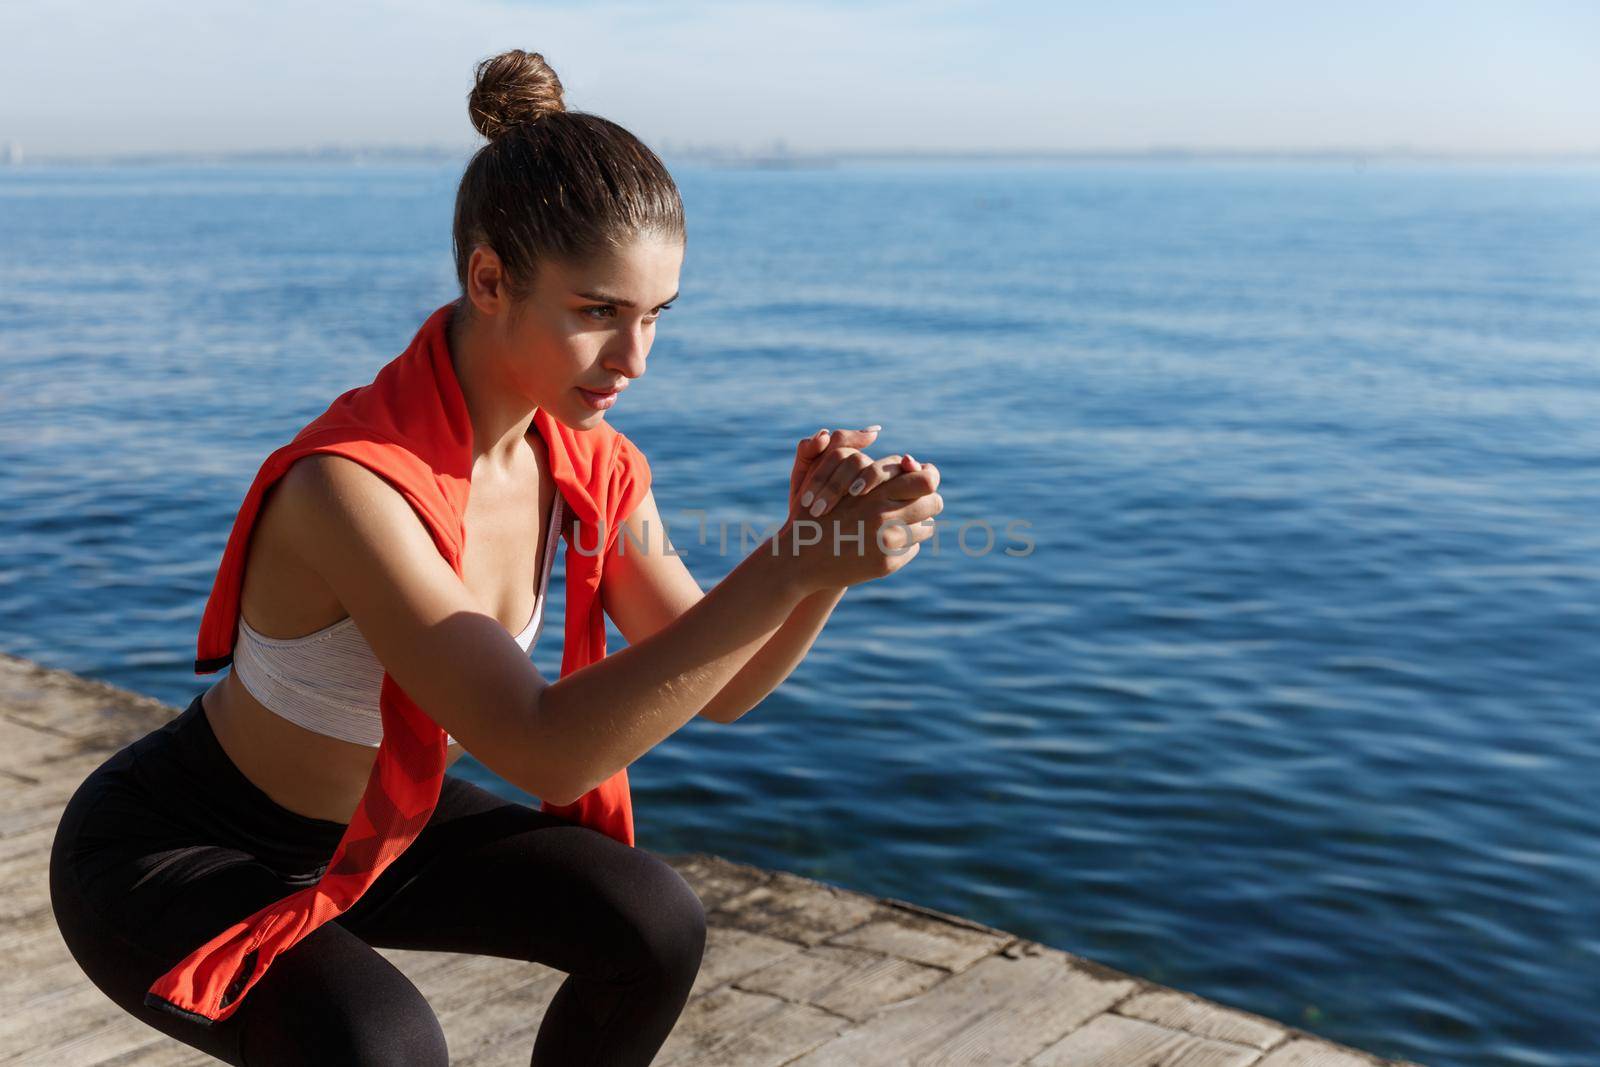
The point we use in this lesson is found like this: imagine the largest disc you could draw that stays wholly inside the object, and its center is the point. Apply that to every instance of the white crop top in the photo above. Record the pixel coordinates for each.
(328, 681)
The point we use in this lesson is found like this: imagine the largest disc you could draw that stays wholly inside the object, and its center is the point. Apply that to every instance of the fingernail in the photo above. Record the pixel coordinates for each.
(816, 509)
(873, 427)
(805, 501)
(857, 485)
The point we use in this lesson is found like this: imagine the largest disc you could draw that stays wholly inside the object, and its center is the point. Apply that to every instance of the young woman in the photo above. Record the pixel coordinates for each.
(370, 584)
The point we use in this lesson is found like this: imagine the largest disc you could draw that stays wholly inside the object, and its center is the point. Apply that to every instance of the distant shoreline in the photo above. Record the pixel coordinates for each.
(356, 155)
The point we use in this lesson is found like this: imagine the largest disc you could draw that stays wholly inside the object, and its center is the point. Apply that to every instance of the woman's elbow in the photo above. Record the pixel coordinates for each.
(559, 799)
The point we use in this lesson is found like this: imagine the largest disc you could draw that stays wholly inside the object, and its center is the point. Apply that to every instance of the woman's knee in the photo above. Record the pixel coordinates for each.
(667, 918)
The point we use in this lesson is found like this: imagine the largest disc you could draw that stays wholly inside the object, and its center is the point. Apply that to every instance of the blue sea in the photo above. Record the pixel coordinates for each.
(1285, 692)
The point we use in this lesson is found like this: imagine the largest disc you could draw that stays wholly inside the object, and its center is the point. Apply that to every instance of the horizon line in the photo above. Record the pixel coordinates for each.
(11, 154)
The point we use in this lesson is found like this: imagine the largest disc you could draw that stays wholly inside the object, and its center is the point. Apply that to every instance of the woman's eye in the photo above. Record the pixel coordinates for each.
(607, 309)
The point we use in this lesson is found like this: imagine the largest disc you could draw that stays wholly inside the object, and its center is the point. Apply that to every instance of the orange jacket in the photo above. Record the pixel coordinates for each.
(411, 426)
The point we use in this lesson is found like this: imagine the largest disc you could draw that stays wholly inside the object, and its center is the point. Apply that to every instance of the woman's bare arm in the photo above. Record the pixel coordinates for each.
(610, 713)
(775, 660)
(555, 740)
(647, 586)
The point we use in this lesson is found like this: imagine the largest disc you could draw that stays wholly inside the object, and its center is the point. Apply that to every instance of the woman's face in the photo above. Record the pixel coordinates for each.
(588, 327)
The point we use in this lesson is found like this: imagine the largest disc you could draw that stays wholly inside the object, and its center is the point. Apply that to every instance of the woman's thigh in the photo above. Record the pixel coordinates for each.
(331, 998)
(494, 877)
(158, 850)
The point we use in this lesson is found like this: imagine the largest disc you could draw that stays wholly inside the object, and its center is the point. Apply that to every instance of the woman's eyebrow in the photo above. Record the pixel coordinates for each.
(617, 300)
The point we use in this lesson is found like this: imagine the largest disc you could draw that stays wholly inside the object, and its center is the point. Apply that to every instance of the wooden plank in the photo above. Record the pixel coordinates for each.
(796, 909)
(36, 958)
(1309, 1052)
(48, 1016)
(922, 939)
(1112, 1040)
(426, 969)
(732, 953)
(103, 1038)
(61, 975)
(1184, 1011)
(30, 849)
(51, 792)
(38, 817)
(498, 1022)
(1000, 1011)
(486, 979)
(481, 1001)
(851, 982)
(732, 1027)
(164, 1052)
(716, 880)
(90, 713)
(23, 750)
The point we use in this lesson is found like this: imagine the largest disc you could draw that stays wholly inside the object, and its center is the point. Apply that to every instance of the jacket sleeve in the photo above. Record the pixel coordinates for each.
(629, 482)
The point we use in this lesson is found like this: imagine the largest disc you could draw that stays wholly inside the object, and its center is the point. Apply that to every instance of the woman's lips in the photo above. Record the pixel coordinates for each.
(599, 401)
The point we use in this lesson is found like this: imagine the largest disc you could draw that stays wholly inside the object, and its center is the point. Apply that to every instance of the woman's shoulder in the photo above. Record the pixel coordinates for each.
(322, 484)
(333, 508)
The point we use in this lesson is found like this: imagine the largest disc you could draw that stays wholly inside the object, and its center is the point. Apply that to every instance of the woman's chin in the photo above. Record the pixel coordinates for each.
(577, 416)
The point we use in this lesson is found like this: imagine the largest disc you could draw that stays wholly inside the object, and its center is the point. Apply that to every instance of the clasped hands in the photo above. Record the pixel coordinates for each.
(862, 518)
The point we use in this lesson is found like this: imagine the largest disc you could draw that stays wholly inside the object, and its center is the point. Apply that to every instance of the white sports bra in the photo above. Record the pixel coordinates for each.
(328, 681)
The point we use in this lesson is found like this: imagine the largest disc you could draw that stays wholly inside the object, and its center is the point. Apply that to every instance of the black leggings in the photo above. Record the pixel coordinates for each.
(167, 842)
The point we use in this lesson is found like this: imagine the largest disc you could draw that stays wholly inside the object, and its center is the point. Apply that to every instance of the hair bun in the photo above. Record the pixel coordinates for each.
(513, 89)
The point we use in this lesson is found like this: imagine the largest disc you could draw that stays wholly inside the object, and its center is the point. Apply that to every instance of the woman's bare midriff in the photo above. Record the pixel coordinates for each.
(324, 777)
(309, 773)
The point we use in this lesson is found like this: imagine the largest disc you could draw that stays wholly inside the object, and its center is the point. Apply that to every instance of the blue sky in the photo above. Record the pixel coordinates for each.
(107, 77)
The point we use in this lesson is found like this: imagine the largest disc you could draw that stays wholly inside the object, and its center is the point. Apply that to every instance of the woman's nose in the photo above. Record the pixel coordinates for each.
(631, 353)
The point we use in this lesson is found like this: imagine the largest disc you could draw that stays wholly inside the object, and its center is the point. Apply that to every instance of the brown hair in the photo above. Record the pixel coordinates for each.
(552, 183)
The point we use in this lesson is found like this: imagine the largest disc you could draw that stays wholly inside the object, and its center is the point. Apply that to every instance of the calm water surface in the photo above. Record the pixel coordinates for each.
(1289, 698)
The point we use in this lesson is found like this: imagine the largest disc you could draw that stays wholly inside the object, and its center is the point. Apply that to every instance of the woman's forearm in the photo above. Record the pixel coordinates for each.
(776, 659)
(597, 720)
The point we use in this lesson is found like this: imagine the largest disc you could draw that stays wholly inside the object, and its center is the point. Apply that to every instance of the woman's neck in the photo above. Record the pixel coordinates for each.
(500, 417)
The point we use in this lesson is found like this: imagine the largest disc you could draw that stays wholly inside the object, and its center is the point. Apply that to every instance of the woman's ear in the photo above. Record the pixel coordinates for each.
(486, 281)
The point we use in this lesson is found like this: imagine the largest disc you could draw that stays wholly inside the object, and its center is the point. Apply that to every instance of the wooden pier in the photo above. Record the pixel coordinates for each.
(796, 972)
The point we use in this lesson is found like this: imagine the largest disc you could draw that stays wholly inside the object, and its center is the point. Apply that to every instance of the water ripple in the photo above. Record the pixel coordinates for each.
(1288, 700)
